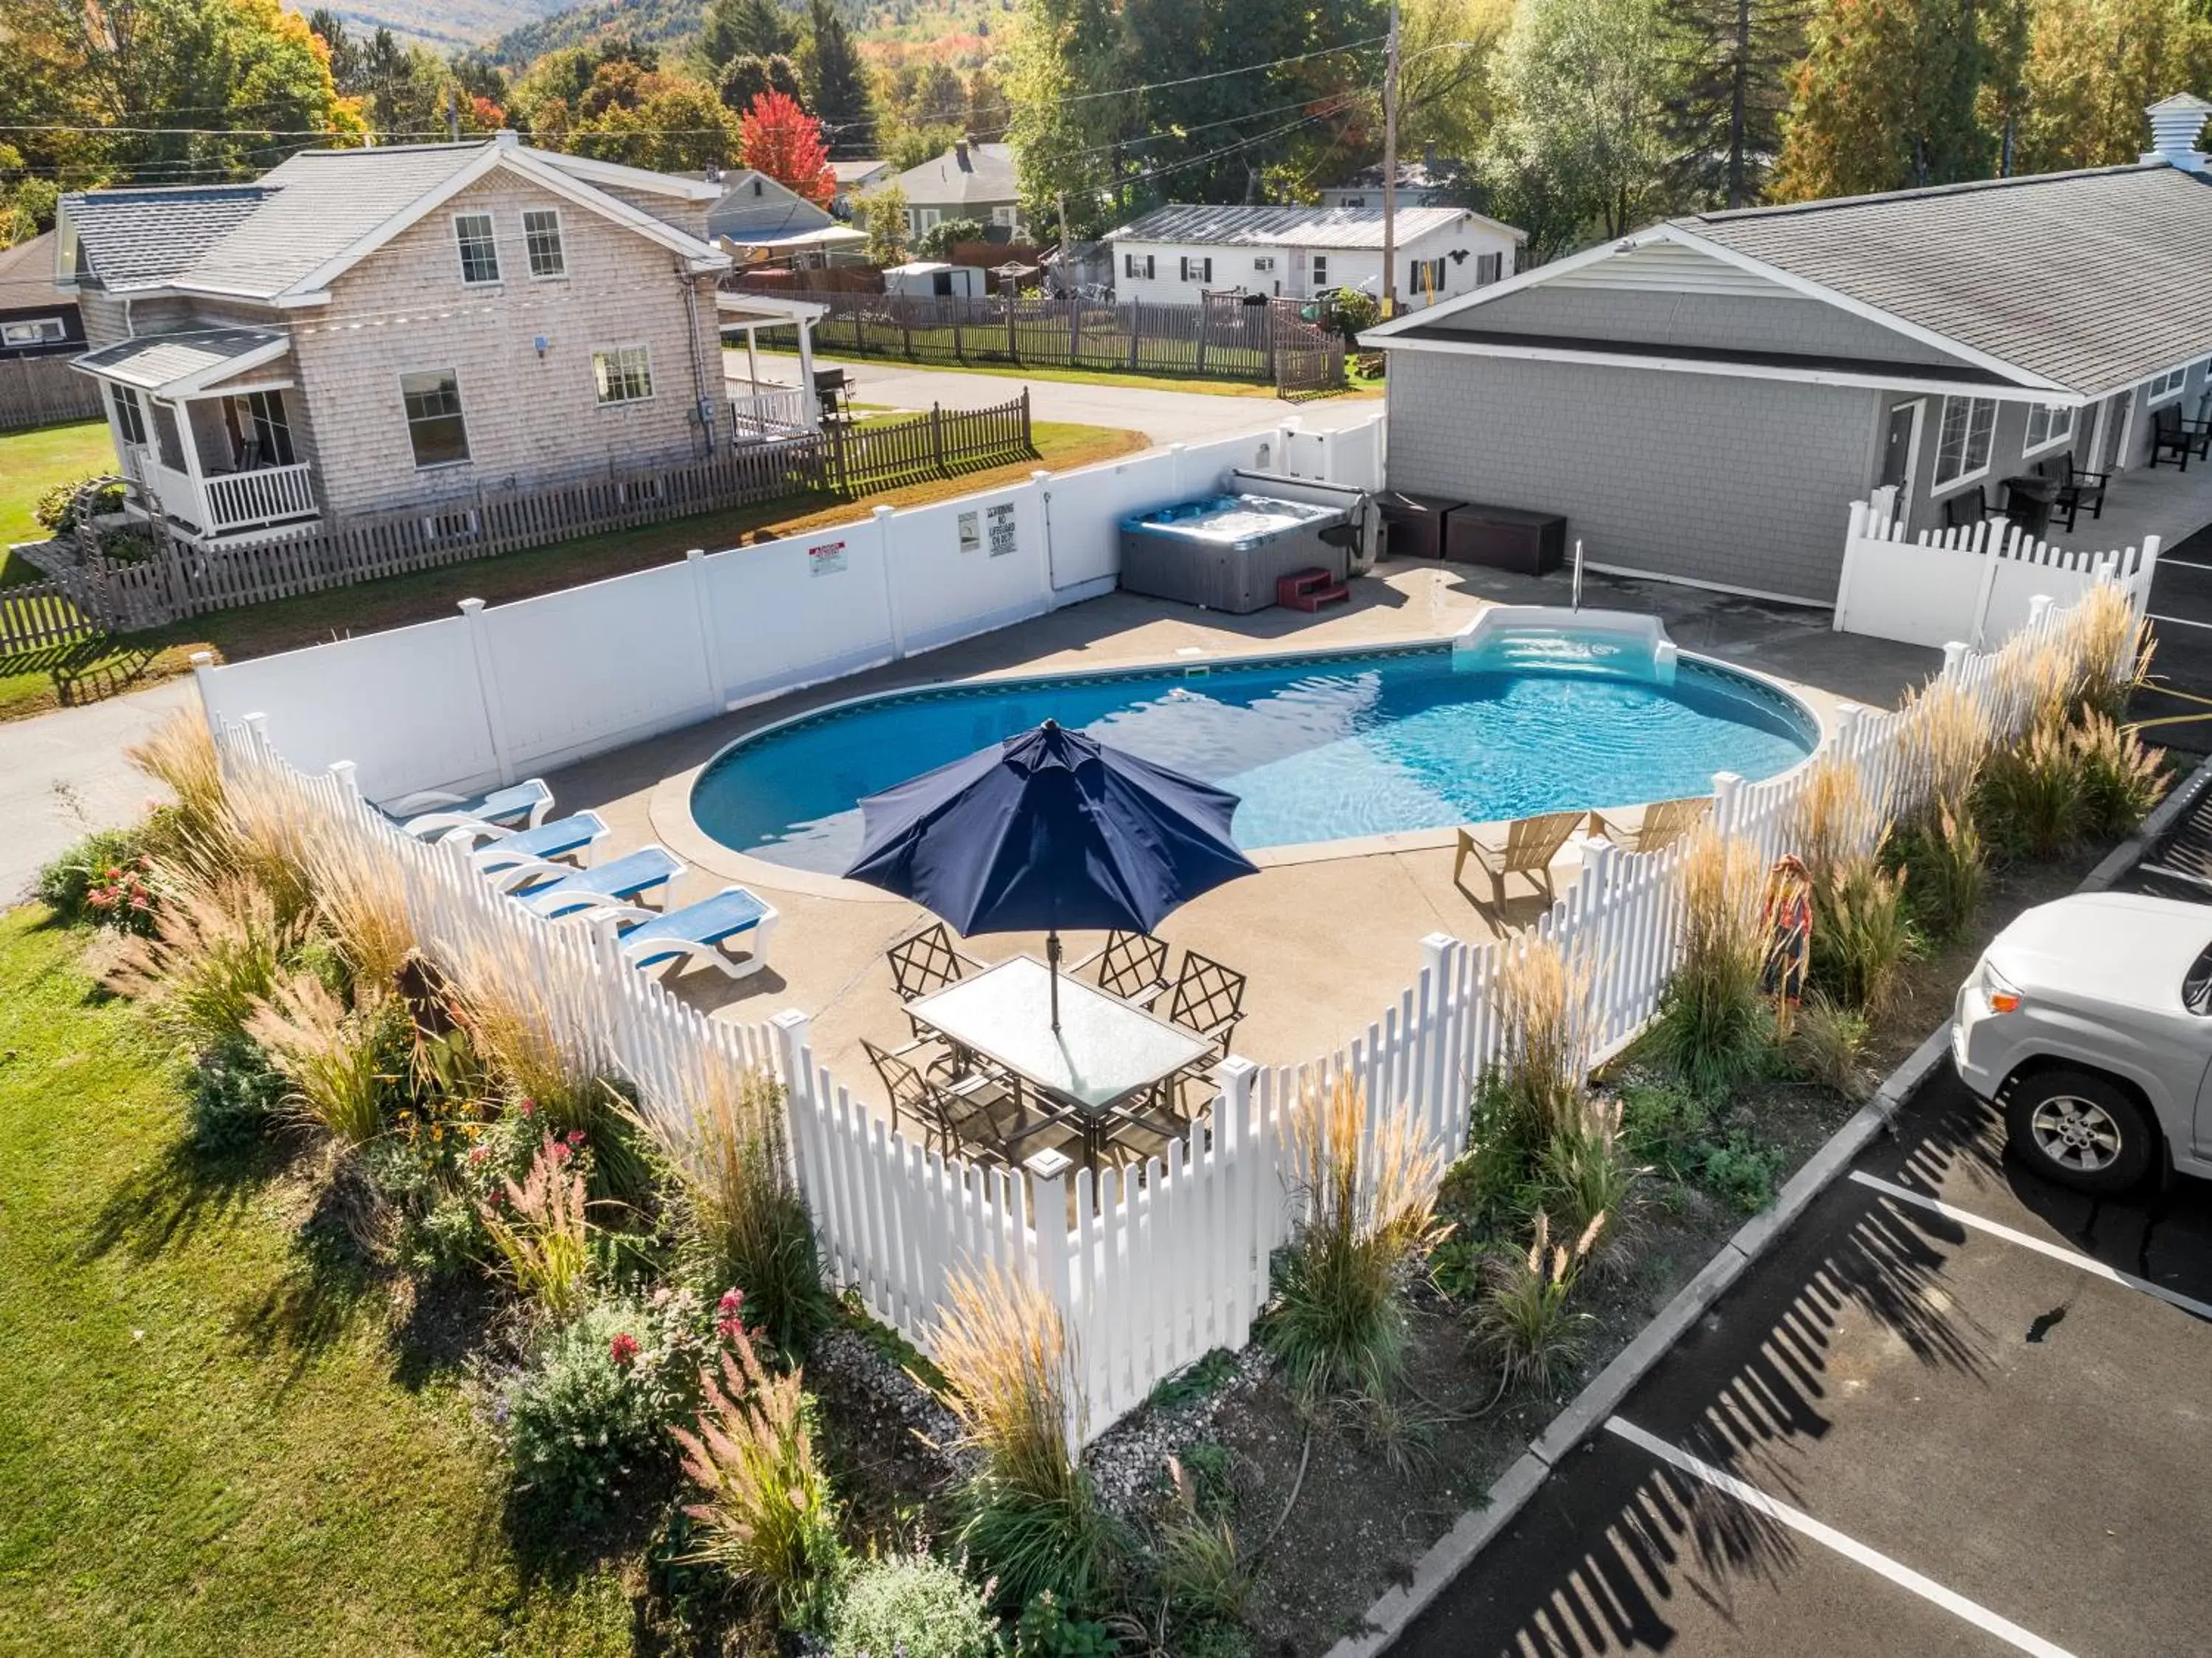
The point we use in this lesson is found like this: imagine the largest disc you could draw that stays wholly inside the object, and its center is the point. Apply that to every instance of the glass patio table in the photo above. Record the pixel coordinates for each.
(1105, 1053)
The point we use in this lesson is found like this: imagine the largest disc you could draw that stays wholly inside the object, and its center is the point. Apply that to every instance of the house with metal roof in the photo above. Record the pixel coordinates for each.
(365, 330)
(1704, 399)
(1430, 181)
(1178, 254)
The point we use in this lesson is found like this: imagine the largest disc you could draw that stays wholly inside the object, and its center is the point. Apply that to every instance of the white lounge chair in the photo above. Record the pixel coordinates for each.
(695, 933)
(525, 854)
(555, 890)
(436, 812)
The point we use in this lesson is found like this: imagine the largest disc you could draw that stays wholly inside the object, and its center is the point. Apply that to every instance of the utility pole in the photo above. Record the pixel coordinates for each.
(452, 115)
(1067, 289)
(1390, 170)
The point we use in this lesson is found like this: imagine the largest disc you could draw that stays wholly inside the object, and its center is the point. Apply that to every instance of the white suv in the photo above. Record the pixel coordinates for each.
(2089, 1021)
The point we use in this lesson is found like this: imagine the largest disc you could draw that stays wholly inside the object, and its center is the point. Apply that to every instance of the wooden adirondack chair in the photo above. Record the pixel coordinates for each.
(1663, 823)
(1526, 848)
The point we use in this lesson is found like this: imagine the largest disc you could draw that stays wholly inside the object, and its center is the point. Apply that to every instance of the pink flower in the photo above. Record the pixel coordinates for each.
(575, 1136)
(730, 1320)
(139, 901)
(622, 1349)
(477, 1153)
(561, 1151)
(529, 1108)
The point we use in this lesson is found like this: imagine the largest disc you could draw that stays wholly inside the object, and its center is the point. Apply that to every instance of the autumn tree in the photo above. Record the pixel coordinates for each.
(1886, 98)
(1064, 134)
(2092, 68)
(883, 213)
(779, 139)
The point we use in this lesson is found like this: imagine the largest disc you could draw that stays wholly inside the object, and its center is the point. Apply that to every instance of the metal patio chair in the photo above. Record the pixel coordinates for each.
(1132, 968)
(926, 962)
(973, 1116)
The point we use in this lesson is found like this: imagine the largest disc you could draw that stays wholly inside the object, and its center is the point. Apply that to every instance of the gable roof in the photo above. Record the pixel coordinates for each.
(2083, 283)
(965, 175)
(281, 240)
(27, 276)
(1293, 226)
(133, 239)
(752, 203)
(172, 364)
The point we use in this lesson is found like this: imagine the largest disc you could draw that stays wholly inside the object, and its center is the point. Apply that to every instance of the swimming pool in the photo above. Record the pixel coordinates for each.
(1320, 747)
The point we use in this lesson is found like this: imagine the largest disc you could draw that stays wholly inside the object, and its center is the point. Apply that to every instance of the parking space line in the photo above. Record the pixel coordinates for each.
(2185, 563)
(1898, 1573)
(2074, 1258)
(2177, 621)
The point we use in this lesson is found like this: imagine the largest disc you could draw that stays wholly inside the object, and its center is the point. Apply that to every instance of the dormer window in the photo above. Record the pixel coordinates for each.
(479, 255)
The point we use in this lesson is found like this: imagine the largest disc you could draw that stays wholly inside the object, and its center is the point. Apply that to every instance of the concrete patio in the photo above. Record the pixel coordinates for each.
(1328, 943)
(2162, 501)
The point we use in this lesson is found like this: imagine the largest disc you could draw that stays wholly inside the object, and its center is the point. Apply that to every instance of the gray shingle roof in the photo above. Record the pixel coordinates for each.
(322, 201)
(152, 362)
(26, 274)
(2095, 280)
(1281, 226)
(987, 178)
(141, 238)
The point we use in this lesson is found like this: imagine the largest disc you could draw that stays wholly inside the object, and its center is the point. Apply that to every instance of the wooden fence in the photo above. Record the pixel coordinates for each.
(936, 445)
(1224, 338)
(38, 391)
(1151, 1267)
(41, 616)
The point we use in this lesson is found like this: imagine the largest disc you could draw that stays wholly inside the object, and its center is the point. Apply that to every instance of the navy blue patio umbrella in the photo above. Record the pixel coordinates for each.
(1048, 830)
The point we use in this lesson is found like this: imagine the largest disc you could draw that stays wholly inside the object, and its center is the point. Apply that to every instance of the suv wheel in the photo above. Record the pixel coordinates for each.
(2080, 1130)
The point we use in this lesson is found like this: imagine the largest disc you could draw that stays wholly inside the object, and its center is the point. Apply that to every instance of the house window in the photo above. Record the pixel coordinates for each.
(925, 218)
(1321, 269)
(1137, 265)
(1352, 201)
(479, 258)
(1487, 269)
(272, 431)
(1199, 270)
(2048, 426)
(130, 414)
(1265, 262)
(435, 425)
(1962, 444)
(623, 375)
(2165, 387)
(168, 439)
(38, 331)
(1004, 216)
(1425, 276)
(541, 234)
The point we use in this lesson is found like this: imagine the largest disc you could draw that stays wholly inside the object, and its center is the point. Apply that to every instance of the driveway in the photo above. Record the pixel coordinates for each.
(1954, 1409)
(1163, 416)
(64, 773)
(2181, 667)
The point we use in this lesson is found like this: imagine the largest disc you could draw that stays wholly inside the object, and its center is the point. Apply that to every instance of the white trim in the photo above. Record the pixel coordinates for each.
(407, 420)
(2028, 452)
(1677, 234)
(1900, 381)
(2158, 399)
(59, 325)
(643, 351)
(497, 278)
(185, 385)
(560, 245)
(1939, 487)
(634, 177)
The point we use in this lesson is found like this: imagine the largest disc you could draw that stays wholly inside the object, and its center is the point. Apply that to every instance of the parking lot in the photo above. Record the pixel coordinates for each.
(1953, 1410)
(2181, 612)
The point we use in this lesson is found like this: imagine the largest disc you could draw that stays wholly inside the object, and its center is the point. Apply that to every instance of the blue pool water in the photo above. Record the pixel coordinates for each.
(1320, 748)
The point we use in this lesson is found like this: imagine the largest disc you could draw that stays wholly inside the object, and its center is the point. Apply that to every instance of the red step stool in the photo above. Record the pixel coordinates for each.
(1309, 589)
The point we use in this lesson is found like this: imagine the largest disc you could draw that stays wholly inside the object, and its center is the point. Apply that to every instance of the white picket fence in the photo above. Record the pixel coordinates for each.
(1973, 583)
(1151, 1266)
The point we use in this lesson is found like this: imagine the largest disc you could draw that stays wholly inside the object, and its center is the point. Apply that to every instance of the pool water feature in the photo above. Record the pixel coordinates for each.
(1320, 748)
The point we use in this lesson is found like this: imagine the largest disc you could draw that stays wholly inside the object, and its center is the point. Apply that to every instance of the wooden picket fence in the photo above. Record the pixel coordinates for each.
(1225, 338)
(40, 391)
(938, 444)
(41, 616)
(1151, 1267)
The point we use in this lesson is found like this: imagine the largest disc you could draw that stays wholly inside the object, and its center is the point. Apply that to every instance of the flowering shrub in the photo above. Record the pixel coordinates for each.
(589, 1417)
(103, 879)
(915, 1606)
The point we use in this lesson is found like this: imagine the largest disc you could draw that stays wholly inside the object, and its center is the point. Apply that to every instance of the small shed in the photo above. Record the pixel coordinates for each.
(929, 279)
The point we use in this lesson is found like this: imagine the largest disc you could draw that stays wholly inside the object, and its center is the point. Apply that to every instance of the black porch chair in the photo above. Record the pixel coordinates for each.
(2170, 437)
(1965, 508)
(2076, 489)
(927, 961)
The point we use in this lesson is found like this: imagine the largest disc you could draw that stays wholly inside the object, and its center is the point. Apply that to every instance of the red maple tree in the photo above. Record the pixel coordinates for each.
(779, 139)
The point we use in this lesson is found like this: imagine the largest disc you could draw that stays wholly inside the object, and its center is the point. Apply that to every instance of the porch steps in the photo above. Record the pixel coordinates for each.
(1309, 589)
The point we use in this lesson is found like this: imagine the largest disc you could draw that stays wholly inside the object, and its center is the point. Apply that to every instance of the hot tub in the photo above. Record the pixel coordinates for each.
(1226, 551)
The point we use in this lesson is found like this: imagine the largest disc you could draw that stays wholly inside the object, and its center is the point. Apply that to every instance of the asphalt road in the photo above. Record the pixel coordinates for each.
(1945, 1438)
(2181, 622)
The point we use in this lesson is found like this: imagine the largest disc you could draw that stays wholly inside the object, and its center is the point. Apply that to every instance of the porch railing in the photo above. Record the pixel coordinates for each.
(267, 495)
(783, 412)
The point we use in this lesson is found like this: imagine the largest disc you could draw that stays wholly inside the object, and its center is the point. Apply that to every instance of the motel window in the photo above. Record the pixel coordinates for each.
(2165, 387)
(479, 257)
(38, 331)
(541, 235)
(130, 414)
(1962, 444)
(2048, 426)
(1197, 270)
(623, 375)
(435, 426)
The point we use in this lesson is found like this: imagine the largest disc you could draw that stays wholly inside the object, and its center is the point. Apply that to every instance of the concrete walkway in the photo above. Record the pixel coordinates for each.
(64, 773)
(1163, 416)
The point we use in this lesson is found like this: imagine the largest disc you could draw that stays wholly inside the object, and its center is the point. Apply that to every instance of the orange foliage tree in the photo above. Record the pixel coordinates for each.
(779, 139)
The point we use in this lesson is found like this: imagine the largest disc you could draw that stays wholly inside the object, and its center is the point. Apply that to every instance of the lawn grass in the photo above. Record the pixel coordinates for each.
(204, 1444)
(28, 685)
(31, 463)
(1150, 382)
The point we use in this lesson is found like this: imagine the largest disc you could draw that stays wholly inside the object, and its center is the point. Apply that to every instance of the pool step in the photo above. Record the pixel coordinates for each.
(1309, 589)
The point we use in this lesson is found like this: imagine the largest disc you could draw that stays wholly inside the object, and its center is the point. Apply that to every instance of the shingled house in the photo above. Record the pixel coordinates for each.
(1704, 400)
(361, 330)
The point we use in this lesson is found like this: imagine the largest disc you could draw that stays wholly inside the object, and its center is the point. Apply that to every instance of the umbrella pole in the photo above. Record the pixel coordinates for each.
(1052, 974)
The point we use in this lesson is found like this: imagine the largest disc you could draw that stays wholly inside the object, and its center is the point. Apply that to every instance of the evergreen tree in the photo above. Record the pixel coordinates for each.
(745, 28)
(1725, 115)
(744, 79)
(1885, 99)
(836, 82)
(2092, 67)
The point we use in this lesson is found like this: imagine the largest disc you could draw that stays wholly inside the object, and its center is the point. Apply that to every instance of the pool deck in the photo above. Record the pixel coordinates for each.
(1327, 942)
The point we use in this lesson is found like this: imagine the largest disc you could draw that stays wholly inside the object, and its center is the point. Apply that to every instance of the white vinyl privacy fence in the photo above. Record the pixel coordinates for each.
(492, 694)
(1151, 1266)
(1971, 584)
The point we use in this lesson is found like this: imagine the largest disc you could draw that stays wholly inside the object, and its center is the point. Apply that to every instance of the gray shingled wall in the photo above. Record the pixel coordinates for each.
(1740, 483)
